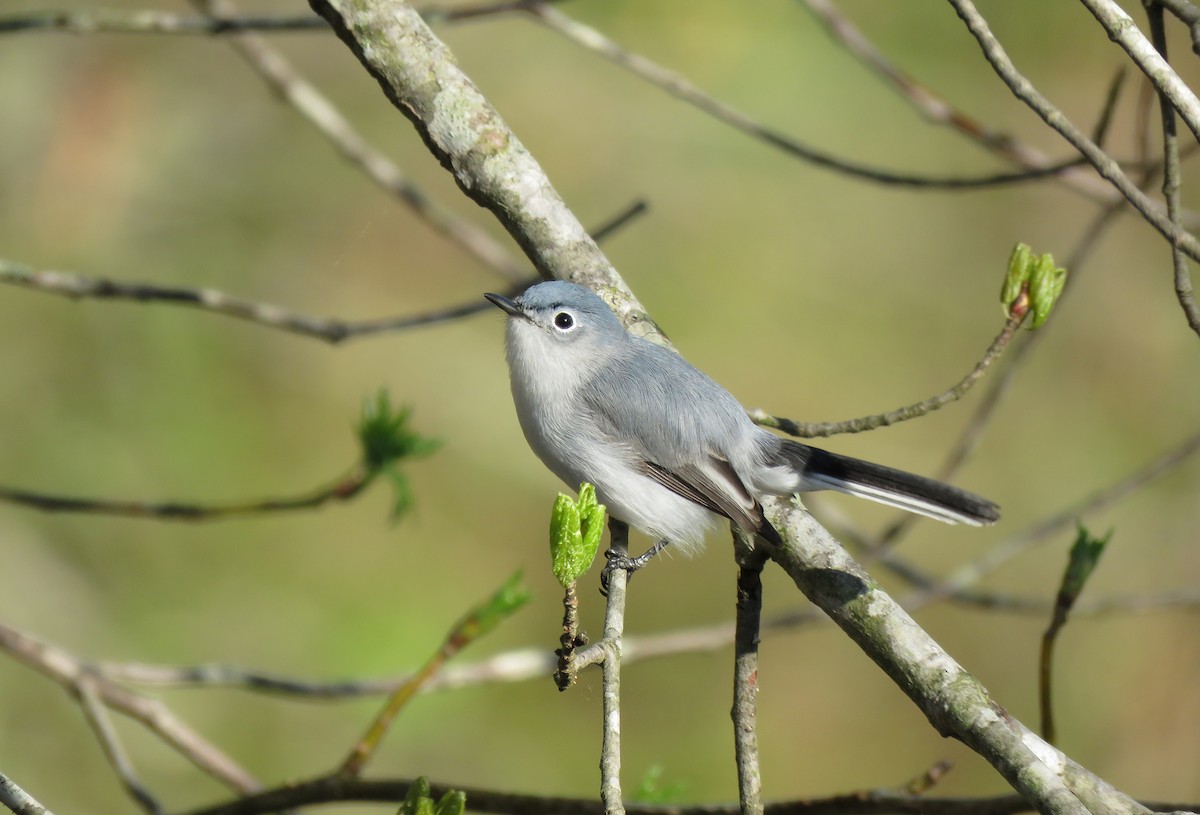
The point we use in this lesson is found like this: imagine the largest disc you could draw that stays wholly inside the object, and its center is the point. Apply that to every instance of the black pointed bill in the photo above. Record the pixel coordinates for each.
(506, 305)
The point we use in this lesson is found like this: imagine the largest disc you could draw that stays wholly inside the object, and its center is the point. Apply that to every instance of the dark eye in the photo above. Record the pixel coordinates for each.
(564, 321)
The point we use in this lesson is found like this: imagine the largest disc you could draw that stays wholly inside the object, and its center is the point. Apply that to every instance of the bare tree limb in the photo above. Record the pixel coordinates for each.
(328, 120)
(97, 717)
(1172, 177)
(329, 329)
(1024, 90)
(342, 490)
(269, 315)
(71, 674)
(335, 789)
(750, 560)
(953, 701)
(937, 109)
(611, 646)
(682, 89)
(18, 800)
(466, 134)
(1124, 31)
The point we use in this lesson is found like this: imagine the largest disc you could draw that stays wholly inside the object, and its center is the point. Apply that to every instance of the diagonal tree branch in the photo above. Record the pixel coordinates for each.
(329, 121)
(682, 89)
(1172, 177)
(955, 703)
(1124, 31)
(1024, 90)
(74, 677)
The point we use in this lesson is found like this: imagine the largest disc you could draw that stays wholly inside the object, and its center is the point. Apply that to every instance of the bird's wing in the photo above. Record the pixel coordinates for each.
(715, 487)
(659, 416)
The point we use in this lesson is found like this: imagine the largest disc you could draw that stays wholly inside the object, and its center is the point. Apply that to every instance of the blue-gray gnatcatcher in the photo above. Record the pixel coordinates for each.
(667, 448)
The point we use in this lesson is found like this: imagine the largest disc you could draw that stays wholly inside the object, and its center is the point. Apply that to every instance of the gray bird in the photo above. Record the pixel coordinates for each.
(670, 451)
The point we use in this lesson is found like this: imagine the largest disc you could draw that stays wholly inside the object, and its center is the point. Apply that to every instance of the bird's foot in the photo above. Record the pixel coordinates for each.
(626, 563)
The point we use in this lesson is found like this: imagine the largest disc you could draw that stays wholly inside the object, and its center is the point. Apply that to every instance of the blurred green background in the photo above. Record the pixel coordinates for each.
(166, 160)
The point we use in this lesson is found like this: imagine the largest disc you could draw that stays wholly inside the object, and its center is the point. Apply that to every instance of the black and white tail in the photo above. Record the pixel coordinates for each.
(822, 470)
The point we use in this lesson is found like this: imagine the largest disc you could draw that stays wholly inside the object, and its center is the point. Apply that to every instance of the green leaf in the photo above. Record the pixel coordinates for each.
(1085, 555)
(453, 802)
(1032, 283)
(1018, 274)
(384, 433)
(402, 496)
(587, 498)
(1045, 287)
(416, 793)
(386, 439)
(575, 532)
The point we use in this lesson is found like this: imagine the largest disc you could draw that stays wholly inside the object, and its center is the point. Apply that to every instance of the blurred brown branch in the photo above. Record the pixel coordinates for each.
(682, 89)
(153, 21)
(269, 315)
(937, 109)
(90, 688)
(336, 789)
(343, 489)
(1024, 90)
(318, 111)
(1172, 176)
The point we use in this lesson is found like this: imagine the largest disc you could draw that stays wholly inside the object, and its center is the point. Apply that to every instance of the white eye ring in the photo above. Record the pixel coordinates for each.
(564, 321)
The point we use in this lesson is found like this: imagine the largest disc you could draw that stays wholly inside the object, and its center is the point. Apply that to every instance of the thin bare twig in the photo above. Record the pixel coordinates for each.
(1189, 14)
(154, 22)
(525, 664)
(570, 640)
(18, 800)
(70, 673)
(750, 558)
(1024, 90)
(611, 647)
(269, 315)
(328, 120)
(98, 719)
(1172, 177)
(336, 789)
(342, 490)
(972, 434)
(936, 108)
(682, 89)
(913, 411)
(1122, 30)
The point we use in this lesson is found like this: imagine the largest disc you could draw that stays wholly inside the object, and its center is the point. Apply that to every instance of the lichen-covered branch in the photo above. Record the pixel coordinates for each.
(466, 134)
(953, 701)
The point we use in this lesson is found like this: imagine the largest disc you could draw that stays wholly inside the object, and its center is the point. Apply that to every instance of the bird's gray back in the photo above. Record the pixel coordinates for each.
(652, 398)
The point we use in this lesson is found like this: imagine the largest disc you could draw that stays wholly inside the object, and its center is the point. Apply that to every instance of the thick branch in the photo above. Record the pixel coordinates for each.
(955, 703)
(466, 134)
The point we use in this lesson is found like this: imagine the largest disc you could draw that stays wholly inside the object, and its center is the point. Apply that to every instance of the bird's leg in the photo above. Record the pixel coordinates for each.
(629, 564)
